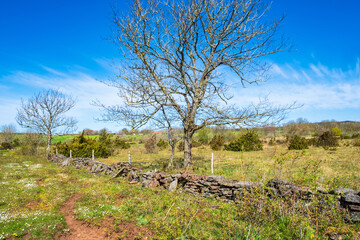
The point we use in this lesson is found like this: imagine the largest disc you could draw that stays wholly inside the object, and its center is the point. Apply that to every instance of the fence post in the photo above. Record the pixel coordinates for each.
(93, 155)
(70, 154)
(129, 158)
(56, 152)
(212, 163)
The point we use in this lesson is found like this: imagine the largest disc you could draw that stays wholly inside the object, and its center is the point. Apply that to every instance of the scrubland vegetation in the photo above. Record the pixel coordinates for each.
(34, 191)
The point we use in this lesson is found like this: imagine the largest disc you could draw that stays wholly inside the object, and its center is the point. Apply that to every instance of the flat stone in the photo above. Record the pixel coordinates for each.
(154, 183)
(215, 178)
(342, 191)
(205, 183)
(322, 190)
(227, 183)
(354, 208)
(351, 199)
(173, 185)
(146, 183)
(244, 184)
(227, 192)
(66, 162)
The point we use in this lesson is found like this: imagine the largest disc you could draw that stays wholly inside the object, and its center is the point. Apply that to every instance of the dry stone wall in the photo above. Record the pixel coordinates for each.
(213, 186)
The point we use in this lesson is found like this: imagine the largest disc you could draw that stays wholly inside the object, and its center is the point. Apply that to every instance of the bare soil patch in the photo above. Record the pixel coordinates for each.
(80, 230)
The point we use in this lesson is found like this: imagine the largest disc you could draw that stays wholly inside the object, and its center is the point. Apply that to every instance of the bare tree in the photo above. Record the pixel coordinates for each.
(7, 133)
(166, 119)
(175, 53)
(44, 113)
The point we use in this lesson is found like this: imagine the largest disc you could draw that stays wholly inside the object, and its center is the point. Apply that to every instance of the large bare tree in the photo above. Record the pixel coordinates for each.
(175, 54)
(44, 113)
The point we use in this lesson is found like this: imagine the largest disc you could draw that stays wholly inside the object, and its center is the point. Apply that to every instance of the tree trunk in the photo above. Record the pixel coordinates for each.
(48, 148)
(172, 144)
(187, 148)
(172, 154)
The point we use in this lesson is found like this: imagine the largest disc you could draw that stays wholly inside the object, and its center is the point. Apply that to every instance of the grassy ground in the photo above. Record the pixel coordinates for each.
(33, 192)
(333, 168)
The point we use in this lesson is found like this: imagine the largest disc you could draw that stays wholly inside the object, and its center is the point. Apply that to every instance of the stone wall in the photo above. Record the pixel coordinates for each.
(214, 186)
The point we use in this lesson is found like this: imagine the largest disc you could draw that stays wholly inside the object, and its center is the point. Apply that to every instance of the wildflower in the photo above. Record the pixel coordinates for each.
(15, 234)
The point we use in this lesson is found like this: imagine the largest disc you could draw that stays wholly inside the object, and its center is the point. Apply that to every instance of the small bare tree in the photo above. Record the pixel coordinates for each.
(175, 53)
(44, 113)
(7, 133)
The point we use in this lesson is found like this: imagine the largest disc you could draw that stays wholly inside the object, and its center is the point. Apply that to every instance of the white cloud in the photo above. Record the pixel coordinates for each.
(316, 87)
(80, 85)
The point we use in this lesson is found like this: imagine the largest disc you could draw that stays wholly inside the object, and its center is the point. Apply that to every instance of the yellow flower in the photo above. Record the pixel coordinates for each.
(312, 236)
(15, 234)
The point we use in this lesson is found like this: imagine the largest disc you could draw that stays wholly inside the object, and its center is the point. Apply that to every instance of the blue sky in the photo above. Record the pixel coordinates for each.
(63, 44)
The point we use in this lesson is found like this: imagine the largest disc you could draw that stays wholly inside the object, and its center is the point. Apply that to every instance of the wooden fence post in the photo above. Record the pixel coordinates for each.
(70, 154)
(212, 163)
(129, 158)
(93, 155)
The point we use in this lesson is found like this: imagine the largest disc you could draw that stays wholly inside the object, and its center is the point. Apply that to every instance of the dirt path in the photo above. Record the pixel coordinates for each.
(78, 229)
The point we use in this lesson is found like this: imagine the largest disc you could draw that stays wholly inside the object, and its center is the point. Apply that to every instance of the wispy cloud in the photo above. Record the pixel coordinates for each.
(316, 87)
(80, 85)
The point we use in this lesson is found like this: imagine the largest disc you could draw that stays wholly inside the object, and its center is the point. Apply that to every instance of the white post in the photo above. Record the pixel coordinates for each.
(129, 158)
(212, 163)
(93, 155)
(56, 152)
(70, 154)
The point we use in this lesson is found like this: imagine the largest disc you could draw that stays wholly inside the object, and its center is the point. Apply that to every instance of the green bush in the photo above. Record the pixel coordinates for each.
(204, 136)
(120, 143)
(5, 145)
(217, 142)
(105, 138)
(298, 143)
(82, 146)
(181, 146)
(150, 144)
(327, 139)
(249, 141)
(355, 135)
(162, 144)
(30, 143)
(336, 131)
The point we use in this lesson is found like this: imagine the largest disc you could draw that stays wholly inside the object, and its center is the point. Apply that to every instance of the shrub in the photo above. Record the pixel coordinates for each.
(204, 136)
(311, 141)
(298, 143)
(355, 135)
(5, 145)
(181, 146)
(30, 142)
(217, 142)
(327, 139)
(162, 144)
(82, 146)
(249, 141)
(120, 143)
(105, 137)
(336, 131)
(150, 144)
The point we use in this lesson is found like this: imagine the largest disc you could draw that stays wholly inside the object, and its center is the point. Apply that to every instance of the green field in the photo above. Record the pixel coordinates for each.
(35, 191)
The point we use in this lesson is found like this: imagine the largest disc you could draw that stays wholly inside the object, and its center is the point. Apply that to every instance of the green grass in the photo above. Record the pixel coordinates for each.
(33, 191)
(338, 167)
